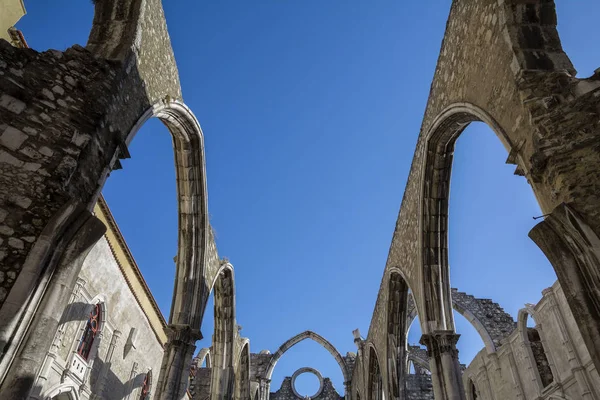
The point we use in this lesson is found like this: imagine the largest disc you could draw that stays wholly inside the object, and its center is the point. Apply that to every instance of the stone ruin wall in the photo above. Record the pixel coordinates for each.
(513, 372)
(285, 392)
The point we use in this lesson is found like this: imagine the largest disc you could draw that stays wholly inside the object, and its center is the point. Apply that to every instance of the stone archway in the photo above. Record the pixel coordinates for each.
(222, 349)
(501, 63)
(375, 389)
(128, 70)
(297, 339)
(242, 387)
(397, 330)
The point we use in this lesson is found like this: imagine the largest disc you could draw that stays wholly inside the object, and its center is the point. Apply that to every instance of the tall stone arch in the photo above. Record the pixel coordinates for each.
(375, 389)
(297, 339)
(242, 389)
(224, 336)
(126, 75)
(397, 329)
(501, 62)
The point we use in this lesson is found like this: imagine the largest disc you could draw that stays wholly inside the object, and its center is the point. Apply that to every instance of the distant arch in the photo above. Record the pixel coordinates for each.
(375, 389)
(397, 330)
(242, 374)
(204, 355)
(297, 339)
(225, 329)
(418, 356)
(540, 360)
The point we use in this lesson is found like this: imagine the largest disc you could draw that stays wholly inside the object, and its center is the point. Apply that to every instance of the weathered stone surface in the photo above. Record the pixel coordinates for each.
(502, 63)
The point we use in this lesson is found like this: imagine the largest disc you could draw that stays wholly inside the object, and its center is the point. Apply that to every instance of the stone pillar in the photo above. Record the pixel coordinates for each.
(176, 363)
(106, 367)
(264, 387)
(443, 361)
(572, 247)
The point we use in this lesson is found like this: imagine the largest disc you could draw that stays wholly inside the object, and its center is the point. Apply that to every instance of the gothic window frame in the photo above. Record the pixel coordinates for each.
(524, 314)
(473, 392)
(91, 331)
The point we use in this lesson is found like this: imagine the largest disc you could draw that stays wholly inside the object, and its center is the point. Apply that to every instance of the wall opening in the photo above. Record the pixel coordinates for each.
(539, 354)
(143, 199)
(473, 391)
(490, 216)
(375, 388)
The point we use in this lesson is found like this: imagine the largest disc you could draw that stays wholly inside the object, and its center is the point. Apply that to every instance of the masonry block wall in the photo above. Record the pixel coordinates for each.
(513, 371)
(51, 105)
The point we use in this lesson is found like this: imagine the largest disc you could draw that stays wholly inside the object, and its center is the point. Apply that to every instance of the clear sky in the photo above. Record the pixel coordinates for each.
(311, 111)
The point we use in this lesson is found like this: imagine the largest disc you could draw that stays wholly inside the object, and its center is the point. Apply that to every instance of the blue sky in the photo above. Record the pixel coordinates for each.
(311, 111)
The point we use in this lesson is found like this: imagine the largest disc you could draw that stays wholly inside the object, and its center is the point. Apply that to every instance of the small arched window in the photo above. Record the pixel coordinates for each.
(146, 386)
(539, 356)
(473, 390)
(89, 334)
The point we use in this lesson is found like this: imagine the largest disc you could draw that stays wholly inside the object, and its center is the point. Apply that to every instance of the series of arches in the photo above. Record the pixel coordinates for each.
(419, 250)
(569, 235)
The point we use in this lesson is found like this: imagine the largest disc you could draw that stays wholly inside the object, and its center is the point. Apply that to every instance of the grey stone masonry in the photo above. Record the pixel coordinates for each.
(285, 392)
(488, 318)
(419, 387)
(259, 363)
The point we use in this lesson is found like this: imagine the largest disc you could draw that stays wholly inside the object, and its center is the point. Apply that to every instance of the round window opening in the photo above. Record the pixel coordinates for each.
(304, 384)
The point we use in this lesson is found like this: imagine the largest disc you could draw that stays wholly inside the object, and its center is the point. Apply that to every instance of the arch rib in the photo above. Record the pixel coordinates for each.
(297, 339)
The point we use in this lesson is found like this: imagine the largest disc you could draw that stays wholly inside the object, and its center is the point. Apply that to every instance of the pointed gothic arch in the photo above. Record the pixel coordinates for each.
(540, 361)
(225, 330)
(297, 339)
(375, 388)
(242, 387)
(397, 331)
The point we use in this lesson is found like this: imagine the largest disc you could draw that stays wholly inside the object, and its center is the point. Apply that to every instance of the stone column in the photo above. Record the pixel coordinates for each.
(264, 387)
(443, 361)
(176, 363)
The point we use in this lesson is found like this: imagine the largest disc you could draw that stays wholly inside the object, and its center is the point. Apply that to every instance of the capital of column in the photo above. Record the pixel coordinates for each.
(440, 342)
(184, 334)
